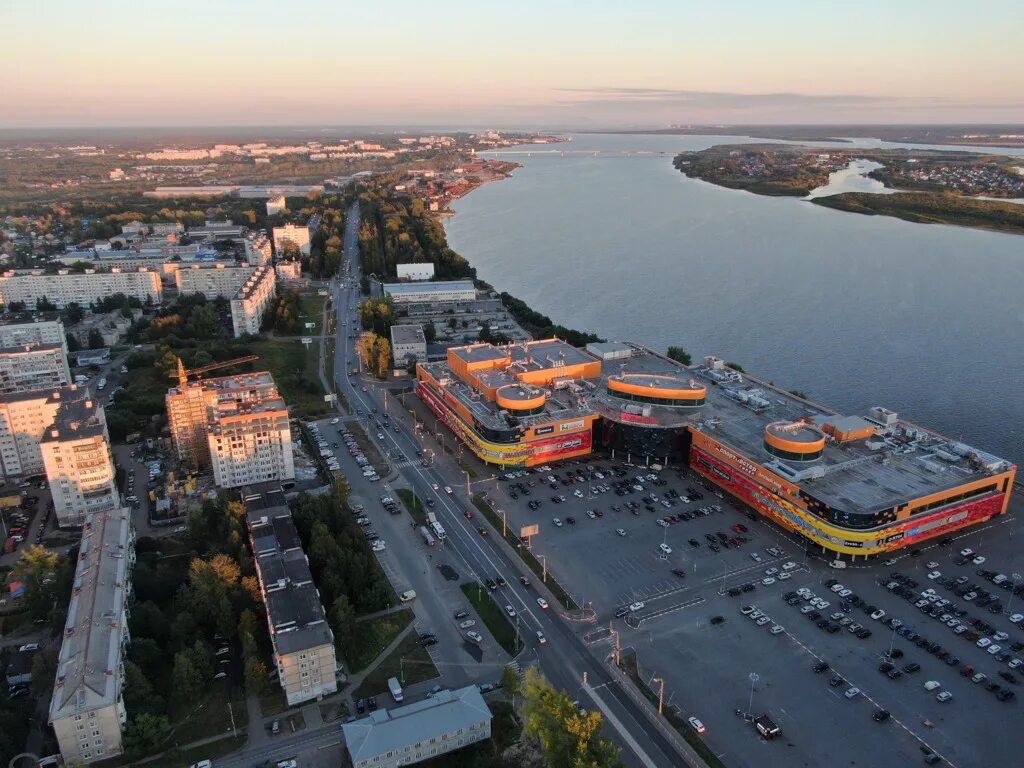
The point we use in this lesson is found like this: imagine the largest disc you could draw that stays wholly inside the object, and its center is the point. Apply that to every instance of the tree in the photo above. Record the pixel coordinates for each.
(798, 393)
(255, 676)
(73, 313)
(429, 331)
(680, 355)
(73, 343)
(139, 696)
(186, 682)
(44, 670)
(43, 304)
(37, 570)
(485, 331)
(95, 339)
(566, 737)
(735, 367)
(145, 733)
(342, 621)
(510, 682)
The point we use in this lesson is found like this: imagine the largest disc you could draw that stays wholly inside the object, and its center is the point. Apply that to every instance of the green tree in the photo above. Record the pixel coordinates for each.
(44, 670)
(202, 659)
(510, 682)
(735, 367)
(37, 570)
(680, 355)
(203, 322)
(95, 339)
(73, 313)
(567, 737)
(186, 682)
(342, 620)
(73, 344)
(429, 331)
(139, 696)
(255, 676)
(145, 733)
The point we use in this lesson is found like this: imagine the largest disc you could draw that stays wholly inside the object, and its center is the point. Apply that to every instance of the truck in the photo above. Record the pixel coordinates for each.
(428, 539)
(395, 688)
(101, 384)
(438, 530)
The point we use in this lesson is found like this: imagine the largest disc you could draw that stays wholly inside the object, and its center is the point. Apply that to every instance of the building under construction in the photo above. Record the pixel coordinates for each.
(854, 484)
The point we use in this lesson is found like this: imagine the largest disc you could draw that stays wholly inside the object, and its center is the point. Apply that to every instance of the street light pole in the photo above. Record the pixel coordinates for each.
(754, 677)
(1009, 602)
(544, 561)
(661, 695)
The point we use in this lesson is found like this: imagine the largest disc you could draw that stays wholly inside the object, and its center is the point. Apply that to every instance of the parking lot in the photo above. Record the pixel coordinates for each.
(666, 600)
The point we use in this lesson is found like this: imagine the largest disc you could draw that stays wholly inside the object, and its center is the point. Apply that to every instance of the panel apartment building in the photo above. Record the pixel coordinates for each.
(212, 280)
(292, 236)
(86, 709)
(252, 300)
(303, 643)
(236, 424)
(33, 355)
(84, 289)
(76, 456)
(258, 250)
(24, 419)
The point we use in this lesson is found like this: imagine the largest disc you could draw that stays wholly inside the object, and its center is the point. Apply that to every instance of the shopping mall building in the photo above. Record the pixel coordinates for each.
(854, 484)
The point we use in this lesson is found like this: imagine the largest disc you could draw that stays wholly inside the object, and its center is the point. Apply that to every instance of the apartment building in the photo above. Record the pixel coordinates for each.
(258, 250)
(294, 236)
(275, 205)
(47, 329)
(77, 460)
(84, 289)
(86, 709)
(33, 366)
(237, 424)
(24, 419)
(252, 300)
(408, 343)
(212, 280)
(447, 721)
(303, 644)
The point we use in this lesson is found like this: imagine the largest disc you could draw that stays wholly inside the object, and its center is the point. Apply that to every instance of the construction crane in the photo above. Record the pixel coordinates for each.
(182, 374)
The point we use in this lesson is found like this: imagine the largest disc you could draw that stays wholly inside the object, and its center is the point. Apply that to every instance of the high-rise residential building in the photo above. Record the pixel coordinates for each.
(303, 644)
(250, 303)
(212, 280)
(86, 709)
(33, 366)
(293, 236)
(76, 456)
(258, 250)
(237, 424)
(24, 419)
(85, 289)
(42, 330)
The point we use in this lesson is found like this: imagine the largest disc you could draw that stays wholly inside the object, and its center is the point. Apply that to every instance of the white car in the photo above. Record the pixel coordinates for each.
(665, 548)
(510, 611)
(994, 649)
(591, 514)
(931, 685)
(944, 696)
(978, 560)
(696, 724)
(476, 637)
(578, 493)
(837, 588)
(662, 523)
(852, 693)
(762, 621)
(542, 603)
(540, 637)
(467, 624)
(785, 575)
(934, 575)
(557, 522)
(638, 605)
(434, 486)
(770, 571)
(931, 564)
(755, 557)
(1017, 618)
(777, 629)
(984, 642)
(767, 581)
(966, 552)
(620, 531)
(378, 545)
(334, 421)
(877, 615)
(448, 490)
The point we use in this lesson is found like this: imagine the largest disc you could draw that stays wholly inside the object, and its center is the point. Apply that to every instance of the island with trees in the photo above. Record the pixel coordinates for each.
(969, 189)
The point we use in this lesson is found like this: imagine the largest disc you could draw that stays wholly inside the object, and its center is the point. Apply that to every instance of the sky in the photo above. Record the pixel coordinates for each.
(557, 64)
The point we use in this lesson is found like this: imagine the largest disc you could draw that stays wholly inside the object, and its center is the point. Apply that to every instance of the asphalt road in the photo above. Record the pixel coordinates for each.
(564, 659)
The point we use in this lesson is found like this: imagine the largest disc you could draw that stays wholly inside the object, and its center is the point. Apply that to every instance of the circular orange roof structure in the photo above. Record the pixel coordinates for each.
(794, 437)
(516, 397)
(660, 386)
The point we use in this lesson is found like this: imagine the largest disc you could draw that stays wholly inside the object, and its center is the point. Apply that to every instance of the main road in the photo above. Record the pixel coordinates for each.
(564, 659)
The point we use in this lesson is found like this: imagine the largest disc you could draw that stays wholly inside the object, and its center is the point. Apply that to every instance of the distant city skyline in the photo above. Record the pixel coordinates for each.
(456, 62)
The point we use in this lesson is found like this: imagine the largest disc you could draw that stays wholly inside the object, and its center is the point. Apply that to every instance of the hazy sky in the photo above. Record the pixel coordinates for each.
(554, 63)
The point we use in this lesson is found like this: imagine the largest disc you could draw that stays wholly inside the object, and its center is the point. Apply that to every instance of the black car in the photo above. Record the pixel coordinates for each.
(694, 543)
(361, 706)
(678, 572)
(734, 592)
(717, 619)
(371, 704)
(885, 667)
(881, 715)
(501, 581)
(491, 584)
(1008, 677)
(820, 667)
(748, 587)
(1005, 695)
(864, 634)
(836, 681)
(425, 641)
(896, 653)
(911, 667)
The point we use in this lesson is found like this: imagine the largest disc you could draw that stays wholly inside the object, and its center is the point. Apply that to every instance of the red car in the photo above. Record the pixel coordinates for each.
(469, 514)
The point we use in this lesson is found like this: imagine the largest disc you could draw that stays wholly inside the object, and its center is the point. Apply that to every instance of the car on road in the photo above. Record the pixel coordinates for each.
(696, 724)
(620, 531)
(476, 637)
(557, 522)
(931, 685)
(637, 606)
(510, 611)
(542, 602)
(881, 715)
(540, 637)
(944, 696)
(481, 530)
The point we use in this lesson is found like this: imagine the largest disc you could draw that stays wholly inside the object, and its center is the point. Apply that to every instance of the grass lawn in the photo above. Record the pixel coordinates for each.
(414, 505)
(213, 717)
(372, 636)
(296, 373)
(273, 701)
(493, 616)
(333, 710)
(409, 662)
(311, 310)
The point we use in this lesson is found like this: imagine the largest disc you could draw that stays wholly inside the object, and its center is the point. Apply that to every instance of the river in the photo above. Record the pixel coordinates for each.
(854, 310)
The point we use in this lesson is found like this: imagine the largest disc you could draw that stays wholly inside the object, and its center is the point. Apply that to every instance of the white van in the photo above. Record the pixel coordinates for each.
(409, 594)
(395, 688)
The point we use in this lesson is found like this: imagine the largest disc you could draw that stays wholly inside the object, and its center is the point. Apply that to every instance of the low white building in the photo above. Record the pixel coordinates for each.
(292, 236)
(447, 721)
(415, 272)
(434, 292)
(408, 343)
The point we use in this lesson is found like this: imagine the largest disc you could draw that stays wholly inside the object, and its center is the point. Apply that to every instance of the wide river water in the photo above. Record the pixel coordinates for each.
(854, 310)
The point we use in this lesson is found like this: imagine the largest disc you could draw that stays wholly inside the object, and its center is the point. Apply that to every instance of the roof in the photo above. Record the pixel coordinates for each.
(88, 674)
(78, 417)
(436, 286)
(388, 730)
(407, 334)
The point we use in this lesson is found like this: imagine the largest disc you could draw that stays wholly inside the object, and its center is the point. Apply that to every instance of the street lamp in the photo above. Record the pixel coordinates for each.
(754, 677)
(661, 694)
(544, 561)
(1009, 602)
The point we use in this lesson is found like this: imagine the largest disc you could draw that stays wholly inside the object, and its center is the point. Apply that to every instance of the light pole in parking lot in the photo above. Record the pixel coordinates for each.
(661, 693)
(1009, 602)
(892, 642)
(754, 677)
(544, 561)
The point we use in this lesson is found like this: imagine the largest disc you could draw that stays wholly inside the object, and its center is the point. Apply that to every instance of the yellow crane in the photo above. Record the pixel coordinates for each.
(183, 375)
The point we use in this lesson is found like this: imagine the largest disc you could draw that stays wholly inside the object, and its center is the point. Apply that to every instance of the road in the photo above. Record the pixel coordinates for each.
(564, 659)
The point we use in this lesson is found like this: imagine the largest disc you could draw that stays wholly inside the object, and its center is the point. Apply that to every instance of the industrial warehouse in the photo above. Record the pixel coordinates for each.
(853, 484)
